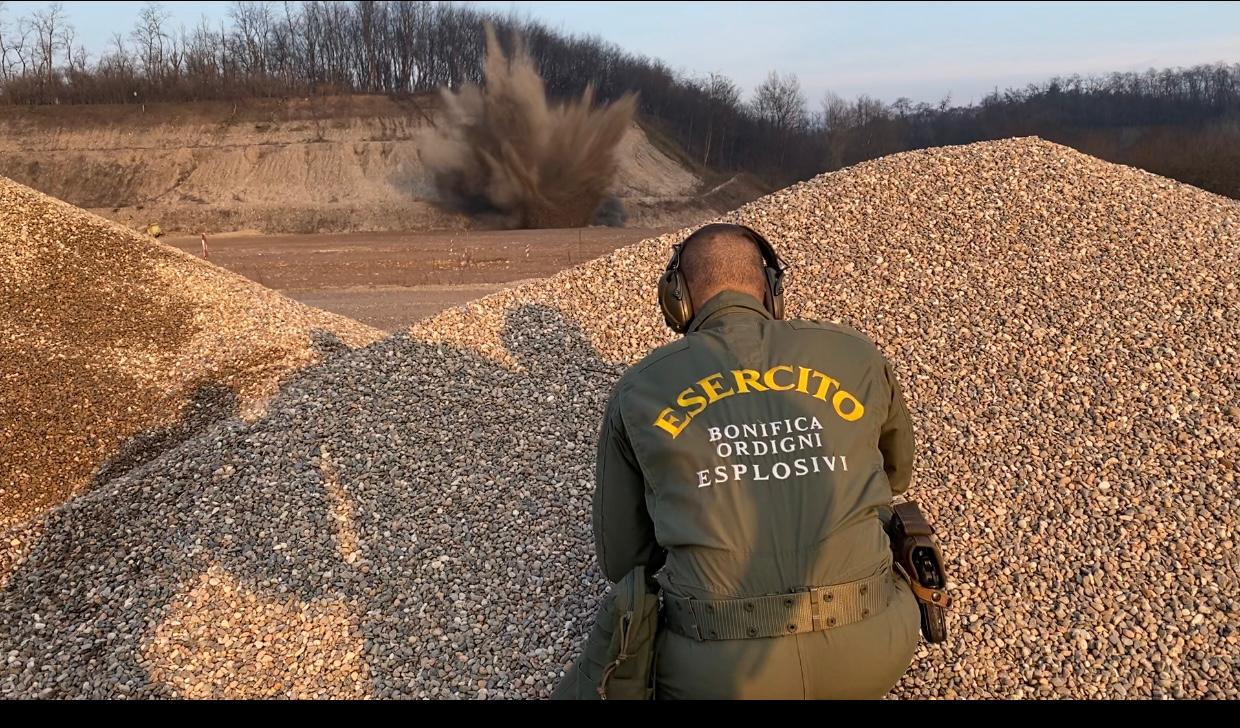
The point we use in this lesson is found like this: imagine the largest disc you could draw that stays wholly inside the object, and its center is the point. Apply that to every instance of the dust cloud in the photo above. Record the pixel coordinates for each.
(504, 154)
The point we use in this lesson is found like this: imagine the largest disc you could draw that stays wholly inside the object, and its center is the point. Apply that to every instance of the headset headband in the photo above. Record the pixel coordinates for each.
(674, 299)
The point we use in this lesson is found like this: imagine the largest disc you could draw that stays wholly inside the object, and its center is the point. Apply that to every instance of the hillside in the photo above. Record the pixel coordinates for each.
(301, 165)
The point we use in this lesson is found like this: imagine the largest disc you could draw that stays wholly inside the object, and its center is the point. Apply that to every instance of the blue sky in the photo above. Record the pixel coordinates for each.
(914, 49)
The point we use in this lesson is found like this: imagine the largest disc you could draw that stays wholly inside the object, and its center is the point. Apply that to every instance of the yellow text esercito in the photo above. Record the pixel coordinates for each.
(779, 378)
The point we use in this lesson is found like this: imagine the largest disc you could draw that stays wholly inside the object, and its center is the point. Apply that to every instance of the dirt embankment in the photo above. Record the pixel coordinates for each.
(302, 165)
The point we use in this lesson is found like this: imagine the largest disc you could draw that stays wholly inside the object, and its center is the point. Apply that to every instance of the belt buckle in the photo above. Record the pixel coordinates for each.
(815, 608)
(697, 628)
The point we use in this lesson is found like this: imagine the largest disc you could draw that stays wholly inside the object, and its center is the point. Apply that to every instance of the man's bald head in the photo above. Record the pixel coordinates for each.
(721, 257)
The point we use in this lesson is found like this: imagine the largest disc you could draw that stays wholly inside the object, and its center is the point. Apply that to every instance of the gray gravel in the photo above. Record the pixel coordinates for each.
(412, 519)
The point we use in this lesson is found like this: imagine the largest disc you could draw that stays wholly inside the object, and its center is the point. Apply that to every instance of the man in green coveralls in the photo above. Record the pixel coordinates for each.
(752, 462)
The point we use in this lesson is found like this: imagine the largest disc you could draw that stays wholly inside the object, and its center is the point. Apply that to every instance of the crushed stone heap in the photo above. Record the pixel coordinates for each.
(112, 343)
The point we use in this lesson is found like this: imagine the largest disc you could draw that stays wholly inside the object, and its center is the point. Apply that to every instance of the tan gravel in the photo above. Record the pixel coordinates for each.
(106, 333)
(1067, 334)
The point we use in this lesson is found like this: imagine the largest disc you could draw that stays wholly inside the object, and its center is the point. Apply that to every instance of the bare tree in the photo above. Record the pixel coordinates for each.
(120, 52)
(80, 62)
(779, 102)
(723, 98)
(252, 23)
(868, 110)
(836, 113)
(48, 27)
(67, 35)
(5, 43)
(151, 41)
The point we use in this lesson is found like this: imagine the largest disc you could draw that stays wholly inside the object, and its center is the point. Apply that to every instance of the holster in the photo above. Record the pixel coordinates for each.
(617, 661)
(917, 556)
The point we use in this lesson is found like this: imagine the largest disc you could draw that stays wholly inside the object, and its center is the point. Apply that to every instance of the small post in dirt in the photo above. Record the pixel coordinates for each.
(204, 245)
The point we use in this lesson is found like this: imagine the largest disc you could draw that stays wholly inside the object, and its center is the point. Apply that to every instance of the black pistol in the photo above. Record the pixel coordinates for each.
(918, 556)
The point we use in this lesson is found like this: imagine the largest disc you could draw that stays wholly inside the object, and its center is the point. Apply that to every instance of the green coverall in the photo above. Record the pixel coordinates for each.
(755, 457)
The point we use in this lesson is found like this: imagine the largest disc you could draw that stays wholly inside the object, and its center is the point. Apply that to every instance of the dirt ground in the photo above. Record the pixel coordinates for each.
(389, 280)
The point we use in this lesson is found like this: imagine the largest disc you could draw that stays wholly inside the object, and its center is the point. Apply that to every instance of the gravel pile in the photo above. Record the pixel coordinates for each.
(412, 518)
(112, 344)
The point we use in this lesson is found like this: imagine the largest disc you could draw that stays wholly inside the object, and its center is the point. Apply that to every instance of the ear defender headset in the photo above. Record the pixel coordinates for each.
(674, 298)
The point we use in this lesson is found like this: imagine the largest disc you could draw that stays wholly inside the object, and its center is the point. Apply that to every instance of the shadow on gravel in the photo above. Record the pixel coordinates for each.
(392, 485)
(209, 404)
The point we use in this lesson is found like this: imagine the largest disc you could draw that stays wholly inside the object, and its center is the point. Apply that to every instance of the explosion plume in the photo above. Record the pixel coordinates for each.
(504, 151)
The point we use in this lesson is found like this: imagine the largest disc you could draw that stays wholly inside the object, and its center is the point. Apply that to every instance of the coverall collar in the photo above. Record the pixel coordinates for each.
(725, 304)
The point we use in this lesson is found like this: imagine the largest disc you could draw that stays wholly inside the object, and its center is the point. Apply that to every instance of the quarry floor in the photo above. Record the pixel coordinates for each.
(391, 279)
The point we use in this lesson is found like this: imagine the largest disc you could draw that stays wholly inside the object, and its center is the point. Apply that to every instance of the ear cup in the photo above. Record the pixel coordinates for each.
(673, 292)
(674, 299)
(775, 292)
